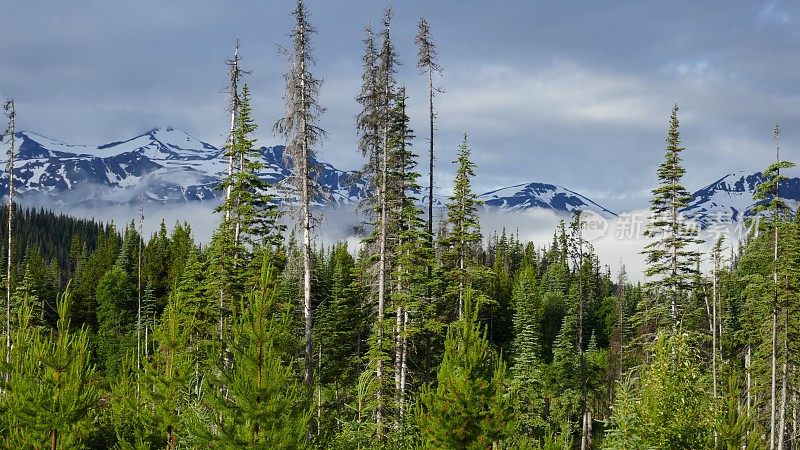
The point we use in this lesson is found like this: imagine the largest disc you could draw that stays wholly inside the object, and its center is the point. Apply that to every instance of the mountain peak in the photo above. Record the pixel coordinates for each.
(730, 198)
(542, 195)
(166, 164)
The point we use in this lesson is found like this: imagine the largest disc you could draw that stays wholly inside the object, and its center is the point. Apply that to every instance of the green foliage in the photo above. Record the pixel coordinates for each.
(257, 401)
(670, 257)
(463, 235)
(51, 393)
(249, 209)
(116, 318)
(669, 406)
(527, 371)
(470, 407)
(734, 424)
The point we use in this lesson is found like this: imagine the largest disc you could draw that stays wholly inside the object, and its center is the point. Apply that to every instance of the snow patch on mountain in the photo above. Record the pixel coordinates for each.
(730, 199)
(542, 195)
(166, 165)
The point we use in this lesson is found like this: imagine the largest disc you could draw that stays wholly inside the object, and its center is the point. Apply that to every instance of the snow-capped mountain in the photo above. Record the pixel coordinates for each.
(541, 195)
(161, 165)
(168, 166)
(730, 199)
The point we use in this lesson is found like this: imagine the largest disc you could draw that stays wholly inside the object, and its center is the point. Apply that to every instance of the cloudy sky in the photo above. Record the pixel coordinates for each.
(576, 93)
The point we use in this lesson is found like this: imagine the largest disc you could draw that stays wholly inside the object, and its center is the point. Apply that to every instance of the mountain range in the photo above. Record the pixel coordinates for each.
(166, 165)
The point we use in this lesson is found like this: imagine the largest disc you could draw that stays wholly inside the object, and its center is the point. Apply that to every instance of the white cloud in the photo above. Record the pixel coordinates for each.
(504, 99)
(773, 13)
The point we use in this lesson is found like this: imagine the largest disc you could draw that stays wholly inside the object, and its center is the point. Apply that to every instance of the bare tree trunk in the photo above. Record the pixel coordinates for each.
(430, 158)
(714, 333)
(782, 412)
(302, 164)
(146, 335)
(784, 382)
(582, 369)
(319, 392)
(404, 368)
(747, 359)
(221, 324)
(139, 291)
(382, 273)
(461, 266)
(674, 274)
(398, 360)
(234, 93)
(714, 327)
(774, 361)
(773, 382)
(794, 413)
(11, 130)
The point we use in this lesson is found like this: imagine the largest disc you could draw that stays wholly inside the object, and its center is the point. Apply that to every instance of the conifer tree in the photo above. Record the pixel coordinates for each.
(224, 282)
(668, 406)
(563, 377)
(171, 385)
(116, 319)
(235, 73)
(377, 93)
(192, 296)
(148, 316)
(578, 255)
(620, 324)
(470, 406)
(251, 218)
(527, 369)
(302, 135)
(426, 62)
(262, 404)
(369, 119)
(716, 257)
(385, 87)
(768, 194)
(250, 205)
(463, 227)
(669, 258)
(51, 391)
(340, 331)
(412, 254)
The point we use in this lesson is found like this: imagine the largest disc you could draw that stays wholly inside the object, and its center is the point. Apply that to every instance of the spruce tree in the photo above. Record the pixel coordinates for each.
(253, 212)
(527, 369)
(768, 195)
(412, 254)
(302, 135)
(463, 228)
(171, 384)
(378, 91)
(235, 72)
(426, 62)
(669, 257)
(340, 332)
(116, 319)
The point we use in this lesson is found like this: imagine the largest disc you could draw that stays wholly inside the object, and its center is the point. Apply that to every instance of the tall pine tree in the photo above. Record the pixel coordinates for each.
(670, 257)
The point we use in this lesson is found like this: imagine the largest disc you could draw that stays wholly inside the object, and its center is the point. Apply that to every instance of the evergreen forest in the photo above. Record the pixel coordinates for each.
(430, 333)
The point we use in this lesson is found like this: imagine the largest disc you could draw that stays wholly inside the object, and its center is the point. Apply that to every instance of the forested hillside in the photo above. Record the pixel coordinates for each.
(427, 334)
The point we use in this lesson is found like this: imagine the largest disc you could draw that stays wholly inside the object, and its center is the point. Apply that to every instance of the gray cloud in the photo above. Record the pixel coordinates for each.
(574, 93)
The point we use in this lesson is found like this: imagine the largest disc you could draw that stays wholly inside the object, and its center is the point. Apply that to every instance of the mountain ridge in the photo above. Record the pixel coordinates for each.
(167, 165)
